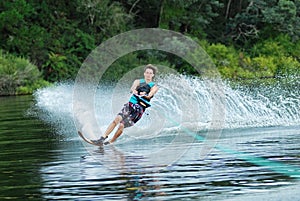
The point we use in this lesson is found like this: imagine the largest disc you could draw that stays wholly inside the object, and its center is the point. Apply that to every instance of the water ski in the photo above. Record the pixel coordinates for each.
(88, 140)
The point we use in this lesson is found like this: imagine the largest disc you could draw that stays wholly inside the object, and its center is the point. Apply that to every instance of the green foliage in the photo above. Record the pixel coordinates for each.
(16, 72)
(189, 16)
(129, 62)
(254, 20)
(263, 66)
(29, 87)
(282, 17)
(58, 35)
(288, 66)
(225, 58)
(222, 55)
(245, 39)
(55, 67)
(103, 18)
(18, 34)
(268, 59)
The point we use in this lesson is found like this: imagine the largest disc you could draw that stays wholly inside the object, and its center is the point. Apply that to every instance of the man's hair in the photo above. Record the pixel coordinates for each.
(152, 67)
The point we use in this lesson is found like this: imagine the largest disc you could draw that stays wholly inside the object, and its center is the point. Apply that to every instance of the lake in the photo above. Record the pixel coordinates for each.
(256, 156)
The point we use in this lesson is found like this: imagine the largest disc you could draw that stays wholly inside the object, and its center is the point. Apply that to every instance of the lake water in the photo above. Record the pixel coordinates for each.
(257, 155)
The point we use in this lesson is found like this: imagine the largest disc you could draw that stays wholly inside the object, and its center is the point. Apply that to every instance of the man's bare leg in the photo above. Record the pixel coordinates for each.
(112, 126)
(109, 129)
(118, 133)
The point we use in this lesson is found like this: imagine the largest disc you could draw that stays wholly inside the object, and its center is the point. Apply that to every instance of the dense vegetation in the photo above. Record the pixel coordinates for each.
(245, 38)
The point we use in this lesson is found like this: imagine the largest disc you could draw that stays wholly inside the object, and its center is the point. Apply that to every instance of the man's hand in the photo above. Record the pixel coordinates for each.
(134, 86)
(135, 92)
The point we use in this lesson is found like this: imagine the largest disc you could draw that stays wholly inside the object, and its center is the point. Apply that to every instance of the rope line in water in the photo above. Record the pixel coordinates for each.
(278, 167)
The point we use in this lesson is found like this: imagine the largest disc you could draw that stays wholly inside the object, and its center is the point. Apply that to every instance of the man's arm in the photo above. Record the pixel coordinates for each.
(153, 91)
(135, 84)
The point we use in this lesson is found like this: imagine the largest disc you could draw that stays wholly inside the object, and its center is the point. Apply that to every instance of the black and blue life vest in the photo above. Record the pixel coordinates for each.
(143, 87)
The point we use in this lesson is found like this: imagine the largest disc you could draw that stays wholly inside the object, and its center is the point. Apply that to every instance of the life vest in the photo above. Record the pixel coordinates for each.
(143, 87)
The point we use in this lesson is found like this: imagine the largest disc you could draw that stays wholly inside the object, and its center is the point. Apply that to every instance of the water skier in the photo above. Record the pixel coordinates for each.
(142, 91)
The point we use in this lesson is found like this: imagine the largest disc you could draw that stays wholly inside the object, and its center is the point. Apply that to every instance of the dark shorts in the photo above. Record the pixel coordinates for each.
(131, 113)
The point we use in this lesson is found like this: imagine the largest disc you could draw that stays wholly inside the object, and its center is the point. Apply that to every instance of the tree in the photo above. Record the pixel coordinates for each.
(258, 19)
(103, 18)
(283, 16)
(189, 16)
(18, 34)
(49, 30)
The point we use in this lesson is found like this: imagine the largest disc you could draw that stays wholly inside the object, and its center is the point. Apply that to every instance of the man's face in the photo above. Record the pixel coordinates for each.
(148, 74)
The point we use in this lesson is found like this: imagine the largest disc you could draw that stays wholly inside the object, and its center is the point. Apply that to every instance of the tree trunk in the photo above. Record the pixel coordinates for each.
(228, 9)
(162, 2)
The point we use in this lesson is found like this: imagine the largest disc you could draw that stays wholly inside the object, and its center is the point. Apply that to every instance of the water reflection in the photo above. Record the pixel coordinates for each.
(138, 181)
(109, 173)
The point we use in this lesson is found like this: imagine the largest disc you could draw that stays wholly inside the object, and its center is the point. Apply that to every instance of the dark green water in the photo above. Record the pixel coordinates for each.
(25, 146)
(37, 163)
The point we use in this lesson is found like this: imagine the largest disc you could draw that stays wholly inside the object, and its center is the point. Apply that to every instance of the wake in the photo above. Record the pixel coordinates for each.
(185, 100)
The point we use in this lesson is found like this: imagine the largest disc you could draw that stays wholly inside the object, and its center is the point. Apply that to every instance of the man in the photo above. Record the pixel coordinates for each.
(143, 90)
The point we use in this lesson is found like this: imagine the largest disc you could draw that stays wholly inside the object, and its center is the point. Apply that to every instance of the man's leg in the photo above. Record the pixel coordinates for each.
(118, 133)
(109, 129)
(112, 126)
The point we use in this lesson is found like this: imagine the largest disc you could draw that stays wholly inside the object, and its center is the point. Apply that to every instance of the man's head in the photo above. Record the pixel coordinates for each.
(150, 71)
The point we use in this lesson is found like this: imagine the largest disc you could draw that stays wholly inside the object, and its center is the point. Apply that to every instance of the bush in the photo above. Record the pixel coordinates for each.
(266, 59)
(288, 66)
(16, 72)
